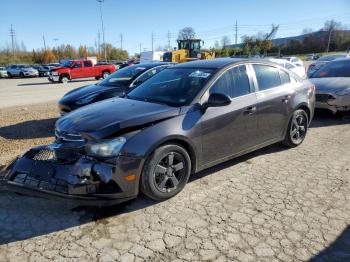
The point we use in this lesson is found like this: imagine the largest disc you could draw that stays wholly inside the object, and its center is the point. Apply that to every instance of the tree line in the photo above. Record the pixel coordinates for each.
(54, 54)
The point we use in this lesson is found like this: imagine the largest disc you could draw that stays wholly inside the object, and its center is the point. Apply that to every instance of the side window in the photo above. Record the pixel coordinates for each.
(289, 66)
(234, 82)
(285, 79)
(266, 76)
(87, 64)
(149, 73)
(77, 65)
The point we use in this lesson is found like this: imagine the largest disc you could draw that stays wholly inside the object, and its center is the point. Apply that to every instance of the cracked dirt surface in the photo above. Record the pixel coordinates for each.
(271, 205)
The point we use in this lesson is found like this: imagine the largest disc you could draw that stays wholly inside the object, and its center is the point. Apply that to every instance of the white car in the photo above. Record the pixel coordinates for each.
(3, 72)
(294, 60)
(21, 71)
(299, 70)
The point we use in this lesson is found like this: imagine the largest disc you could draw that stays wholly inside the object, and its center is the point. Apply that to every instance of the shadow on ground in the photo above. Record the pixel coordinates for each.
(339, 250)
(29, 129)
(323, 118)
(47, 82)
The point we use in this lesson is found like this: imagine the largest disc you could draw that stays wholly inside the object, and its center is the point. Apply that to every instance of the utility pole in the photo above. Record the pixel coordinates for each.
(121, 41)
(140, 48)
(329, 38)
(57, 53)
(236, 34)
(12, 34)
(99, 43)
(44, 42)
(169, 36)
(152, 40)
(103, 30)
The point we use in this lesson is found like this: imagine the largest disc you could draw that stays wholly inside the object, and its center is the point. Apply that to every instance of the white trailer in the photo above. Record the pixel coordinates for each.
(151, 56)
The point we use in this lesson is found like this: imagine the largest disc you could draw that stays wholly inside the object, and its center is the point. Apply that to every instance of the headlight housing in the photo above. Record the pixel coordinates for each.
(108, 148)
(343, 92)
(86, 99)
(54, 73)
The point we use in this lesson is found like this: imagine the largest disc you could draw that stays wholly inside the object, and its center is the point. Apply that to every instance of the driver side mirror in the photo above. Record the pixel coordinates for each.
(216, 100)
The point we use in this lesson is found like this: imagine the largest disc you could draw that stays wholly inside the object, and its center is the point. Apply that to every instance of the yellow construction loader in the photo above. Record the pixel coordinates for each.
(188, 50)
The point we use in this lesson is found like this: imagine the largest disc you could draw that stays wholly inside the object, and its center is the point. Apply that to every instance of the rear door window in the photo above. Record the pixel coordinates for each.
(266, 76)
(87, 64)
(285, 79)
(234, 82)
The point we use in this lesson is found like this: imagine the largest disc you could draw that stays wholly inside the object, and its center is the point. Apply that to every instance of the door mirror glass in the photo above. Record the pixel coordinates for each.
(217, 99)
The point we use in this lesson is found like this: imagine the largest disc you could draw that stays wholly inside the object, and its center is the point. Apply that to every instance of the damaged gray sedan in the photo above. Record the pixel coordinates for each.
(182, 120)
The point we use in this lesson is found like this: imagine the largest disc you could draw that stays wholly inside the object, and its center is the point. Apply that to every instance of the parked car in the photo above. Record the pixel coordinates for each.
(324, 60)
(332, 83)
(311, 57)
(299, 70)
(182, 120)
(21, 71)
(117, 84)
(3, 72)
(294, 60)
(75, 69)
(43, 70)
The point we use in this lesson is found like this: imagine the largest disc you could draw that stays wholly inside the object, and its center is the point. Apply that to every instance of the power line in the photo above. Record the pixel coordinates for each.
(169, 36)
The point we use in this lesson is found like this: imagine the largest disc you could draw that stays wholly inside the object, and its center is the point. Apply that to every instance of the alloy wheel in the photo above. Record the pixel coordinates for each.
(170, 172)
(298, 128)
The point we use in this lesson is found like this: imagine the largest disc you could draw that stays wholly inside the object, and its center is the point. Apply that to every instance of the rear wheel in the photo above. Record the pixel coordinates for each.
(97, 77)
(105, 74)
(297, 129)
(166, 172)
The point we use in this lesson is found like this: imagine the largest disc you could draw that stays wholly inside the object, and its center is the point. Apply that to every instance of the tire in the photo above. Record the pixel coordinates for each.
(297, 129)
(159, 179)
(64, 79)
(21, 75)
(9, 75)
(97, 77)
(105, 74)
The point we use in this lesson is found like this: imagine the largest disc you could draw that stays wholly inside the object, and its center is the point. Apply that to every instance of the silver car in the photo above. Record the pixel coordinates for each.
(3, 72)
(332, 82)
(21, 71)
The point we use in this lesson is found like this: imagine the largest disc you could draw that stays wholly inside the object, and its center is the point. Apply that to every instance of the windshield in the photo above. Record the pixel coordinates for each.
(334, 69)
(172, 86)
(123, 76)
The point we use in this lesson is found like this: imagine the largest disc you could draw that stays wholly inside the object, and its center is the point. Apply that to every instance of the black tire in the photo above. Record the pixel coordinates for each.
(9, 75)
(160, 180)
(21, 75)
(297, 129)
(97, 77)
(105, 74)
(64, 79)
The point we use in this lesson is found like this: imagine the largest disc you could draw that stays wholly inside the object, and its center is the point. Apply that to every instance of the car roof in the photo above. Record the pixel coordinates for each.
(153, 64)
(219, 63)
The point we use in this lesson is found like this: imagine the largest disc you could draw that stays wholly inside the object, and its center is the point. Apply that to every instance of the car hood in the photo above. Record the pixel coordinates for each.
(330, 84)
(112, 116)
(83, 91)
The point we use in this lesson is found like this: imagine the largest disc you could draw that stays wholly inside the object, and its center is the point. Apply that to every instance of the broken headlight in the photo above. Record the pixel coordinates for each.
(107, 148)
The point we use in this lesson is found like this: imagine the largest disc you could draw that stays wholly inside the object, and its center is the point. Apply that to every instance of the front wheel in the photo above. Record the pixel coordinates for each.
(64, 79)
(166, 172)
(297, 129)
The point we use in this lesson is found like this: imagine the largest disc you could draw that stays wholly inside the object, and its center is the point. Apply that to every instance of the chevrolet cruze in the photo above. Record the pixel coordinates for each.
(184, 119)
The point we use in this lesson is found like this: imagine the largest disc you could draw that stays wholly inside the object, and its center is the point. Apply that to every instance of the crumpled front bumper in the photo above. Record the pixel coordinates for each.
(337, 103)
(51, 172)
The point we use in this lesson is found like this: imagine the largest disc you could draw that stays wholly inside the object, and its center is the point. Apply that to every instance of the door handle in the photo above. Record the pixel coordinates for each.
(250, 110)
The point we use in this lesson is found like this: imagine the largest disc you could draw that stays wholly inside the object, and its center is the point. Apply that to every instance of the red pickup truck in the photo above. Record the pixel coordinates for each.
(74, 69)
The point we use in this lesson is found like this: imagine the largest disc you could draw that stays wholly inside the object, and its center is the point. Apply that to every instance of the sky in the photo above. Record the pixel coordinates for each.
(78, 21)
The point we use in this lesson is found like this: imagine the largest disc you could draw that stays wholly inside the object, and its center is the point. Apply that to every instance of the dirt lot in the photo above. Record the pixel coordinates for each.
(271, 205)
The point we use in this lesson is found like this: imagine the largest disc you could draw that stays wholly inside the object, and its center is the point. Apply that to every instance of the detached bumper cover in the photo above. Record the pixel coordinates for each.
(333, 102)
(42, 172)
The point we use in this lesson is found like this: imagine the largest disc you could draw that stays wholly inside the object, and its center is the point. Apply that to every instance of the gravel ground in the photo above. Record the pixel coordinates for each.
(271, 205)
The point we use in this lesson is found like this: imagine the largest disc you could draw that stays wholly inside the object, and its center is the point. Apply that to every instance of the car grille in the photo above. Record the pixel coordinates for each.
(68, 136)
(324, 98)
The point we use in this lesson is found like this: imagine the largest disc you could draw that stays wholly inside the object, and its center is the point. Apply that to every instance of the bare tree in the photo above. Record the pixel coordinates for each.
(186, 33)
(225, 41)
(330, 26)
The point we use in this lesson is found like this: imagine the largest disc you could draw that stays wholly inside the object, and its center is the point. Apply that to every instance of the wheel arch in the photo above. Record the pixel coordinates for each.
(181, 141)
(305, 107)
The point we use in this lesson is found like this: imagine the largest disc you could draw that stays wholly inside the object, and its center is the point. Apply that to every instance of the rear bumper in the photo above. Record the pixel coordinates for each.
(335, 104)
(83, 181)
